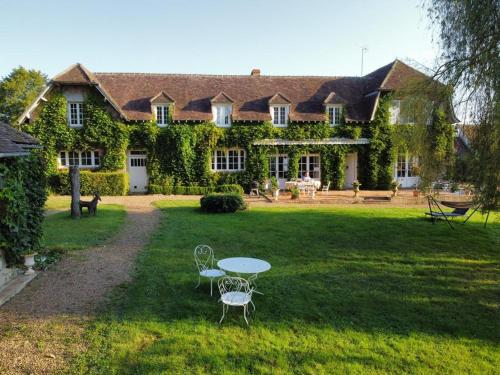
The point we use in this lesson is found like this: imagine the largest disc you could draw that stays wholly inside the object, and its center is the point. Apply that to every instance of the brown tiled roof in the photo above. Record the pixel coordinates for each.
(279, 98)
(162, 97)
(333, 98)
(221, 97)
(13, 142)
(131, 93)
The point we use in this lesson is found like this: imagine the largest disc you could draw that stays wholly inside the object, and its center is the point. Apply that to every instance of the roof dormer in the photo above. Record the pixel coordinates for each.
(222, 107)
(160, 107)
(279, 108)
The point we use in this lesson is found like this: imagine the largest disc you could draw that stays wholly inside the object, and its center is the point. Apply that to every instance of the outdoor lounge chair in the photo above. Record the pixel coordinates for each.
(460, 209)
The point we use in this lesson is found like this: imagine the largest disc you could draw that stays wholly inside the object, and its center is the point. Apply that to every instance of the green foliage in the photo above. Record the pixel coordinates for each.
(99, 131)
(106, 183)
(222, 203)
(22, 199)
(229, 188)
(18, 90)
(377, 158)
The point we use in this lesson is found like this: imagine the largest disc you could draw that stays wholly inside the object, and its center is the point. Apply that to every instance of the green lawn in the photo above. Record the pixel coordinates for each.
(351, 290)
(64, 233)
(58, 202)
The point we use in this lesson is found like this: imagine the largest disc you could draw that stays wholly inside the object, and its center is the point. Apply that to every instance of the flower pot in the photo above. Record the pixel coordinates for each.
(416, 193)
(394, 192)
(276, 194)
(29, 262)
(356, 191)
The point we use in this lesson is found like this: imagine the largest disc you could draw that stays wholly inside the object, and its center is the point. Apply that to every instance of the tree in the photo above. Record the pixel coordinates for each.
(18, 90)
(469, 34)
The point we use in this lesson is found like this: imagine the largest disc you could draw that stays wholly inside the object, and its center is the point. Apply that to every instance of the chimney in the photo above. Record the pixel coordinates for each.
(255, 72)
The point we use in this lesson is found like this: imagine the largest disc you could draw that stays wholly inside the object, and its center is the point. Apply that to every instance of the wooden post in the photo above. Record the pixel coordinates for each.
(74, 175)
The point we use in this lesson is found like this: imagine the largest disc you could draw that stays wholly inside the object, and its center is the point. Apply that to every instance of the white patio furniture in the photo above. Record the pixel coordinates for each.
(204, 258)
(326, 187)
(235, 291)
(245, 266)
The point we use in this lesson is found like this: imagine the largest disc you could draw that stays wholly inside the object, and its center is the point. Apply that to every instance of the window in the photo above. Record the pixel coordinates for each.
(278, 166)
(310, 164)
(334, 115)
(395, 111)
(405, 165)
(75, 114)
(83, 159)
(223, 115)
(62, 158)
(228, 160)
(280, 115)
(162, 115)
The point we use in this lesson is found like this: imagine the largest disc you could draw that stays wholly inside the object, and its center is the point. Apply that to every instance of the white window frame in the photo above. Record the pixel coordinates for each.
(78, 111)
(222, 115)
(161, 113)
(63, 159)
(283, 112)
(308, 164)
(406, 162)
(222, 158)
(334, 111)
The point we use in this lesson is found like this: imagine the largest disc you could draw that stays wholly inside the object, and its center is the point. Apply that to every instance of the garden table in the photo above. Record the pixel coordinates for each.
(242, 265)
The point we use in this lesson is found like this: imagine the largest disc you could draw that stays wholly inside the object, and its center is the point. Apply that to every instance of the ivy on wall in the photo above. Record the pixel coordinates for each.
(100, 131)
(376, 161)
(22, 197)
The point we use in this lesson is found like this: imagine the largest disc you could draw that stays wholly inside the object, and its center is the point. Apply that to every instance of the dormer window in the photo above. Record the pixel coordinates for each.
(161, 114)
(75, 114)
(222, 115)
(280, 115)
(334, 115)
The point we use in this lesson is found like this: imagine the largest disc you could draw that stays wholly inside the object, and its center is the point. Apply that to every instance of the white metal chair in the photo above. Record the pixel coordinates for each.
(204, 258)
(326, 187)
(235, 291)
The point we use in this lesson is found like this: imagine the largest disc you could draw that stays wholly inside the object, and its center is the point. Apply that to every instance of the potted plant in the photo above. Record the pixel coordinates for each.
(355, 187)
(295, 192)
(29, 262)
(394, 187)
(416, 170)
(275, 188)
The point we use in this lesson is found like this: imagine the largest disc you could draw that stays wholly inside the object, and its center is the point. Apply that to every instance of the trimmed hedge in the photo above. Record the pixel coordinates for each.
(168, 189)
(106, 183)
(222, 203)
(230, 188)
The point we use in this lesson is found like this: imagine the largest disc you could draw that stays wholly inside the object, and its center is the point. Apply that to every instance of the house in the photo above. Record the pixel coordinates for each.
(335, 105)
(14, 145)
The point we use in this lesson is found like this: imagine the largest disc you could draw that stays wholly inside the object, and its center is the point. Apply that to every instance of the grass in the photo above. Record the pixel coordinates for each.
(351, 290)
(58, 202)
(63, 233)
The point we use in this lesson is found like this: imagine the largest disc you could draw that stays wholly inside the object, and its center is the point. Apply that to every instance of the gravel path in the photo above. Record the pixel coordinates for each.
(43, 326)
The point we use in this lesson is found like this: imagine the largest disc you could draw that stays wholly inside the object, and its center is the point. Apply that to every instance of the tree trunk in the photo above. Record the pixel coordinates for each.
(74, 174)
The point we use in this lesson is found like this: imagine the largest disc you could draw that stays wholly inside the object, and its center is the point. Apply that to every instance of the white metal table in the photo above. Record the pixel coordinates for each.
(242, 265)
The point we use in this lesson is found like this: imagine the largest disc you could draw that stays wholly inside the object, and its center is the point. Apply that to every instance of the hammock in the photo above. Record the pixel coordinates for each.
(460, 209)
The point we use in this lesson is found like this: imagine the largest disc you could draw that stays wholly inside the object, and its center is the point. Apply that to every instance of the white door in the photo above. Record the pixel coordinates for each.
(351, 169)
(310, 165)
(138, 176)
(403, 171)
(278, 167)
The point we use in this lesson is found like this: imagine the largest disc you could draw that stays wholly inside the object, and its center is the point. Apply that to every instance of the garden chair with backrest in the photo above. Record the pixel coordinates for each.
(204, 258)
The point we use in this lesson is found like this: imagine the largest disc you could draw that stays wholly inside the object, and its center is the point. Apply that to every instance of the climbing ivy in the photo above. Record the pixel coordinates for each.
(376, 160)
(22, 197)
(100, 131)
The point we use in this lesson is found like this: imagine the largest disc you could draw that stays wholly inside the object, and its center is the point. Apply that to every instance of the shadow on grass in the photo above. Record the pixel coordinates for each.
(366, 270)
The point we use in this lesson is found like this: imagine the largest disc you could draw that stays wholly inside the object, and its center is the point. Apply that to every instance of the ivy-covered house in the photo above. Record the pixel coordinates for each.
(182, 132)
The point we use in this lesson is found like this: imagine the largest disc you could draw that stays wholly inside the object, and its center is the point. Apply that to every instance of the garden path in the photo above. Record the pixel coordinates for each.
(43, 326)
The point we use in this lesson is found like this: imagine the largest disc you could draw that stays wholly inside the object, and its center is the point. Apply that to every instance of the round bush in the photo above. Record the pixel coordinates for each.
(219, 203)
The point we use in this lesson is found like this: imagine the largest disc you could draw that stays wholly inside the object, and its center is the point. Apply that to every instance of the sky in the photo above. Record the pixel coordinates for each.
(280, 37)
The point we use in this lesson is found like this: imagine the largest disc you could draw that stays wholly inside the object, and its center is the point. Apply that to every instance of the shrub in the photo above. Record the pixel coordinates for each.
(106, 183)
(218, 203)
(230, 188)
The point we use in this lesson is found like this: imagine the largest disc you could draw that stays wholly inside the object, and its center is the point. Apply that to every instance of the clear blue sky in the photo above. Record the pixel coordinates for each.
(287, 37)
